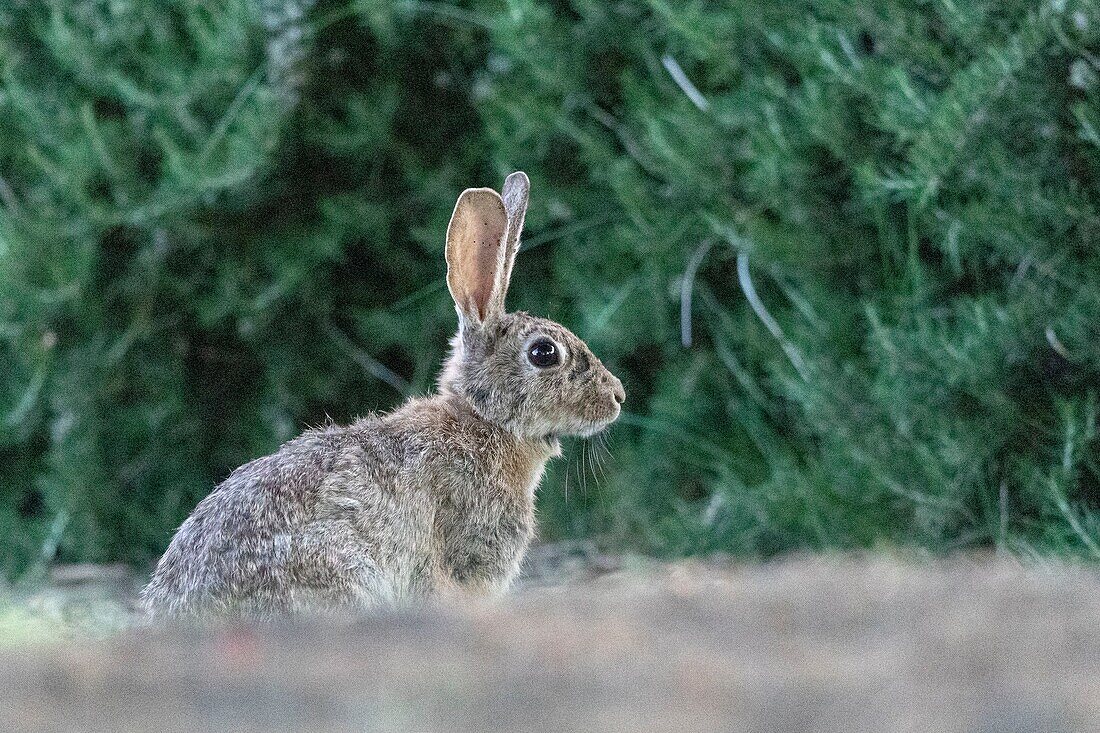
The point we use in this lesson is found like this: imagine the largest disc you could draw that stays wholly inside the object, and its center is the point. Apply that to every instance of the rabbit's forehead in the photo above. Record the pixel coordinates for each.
(526, 327)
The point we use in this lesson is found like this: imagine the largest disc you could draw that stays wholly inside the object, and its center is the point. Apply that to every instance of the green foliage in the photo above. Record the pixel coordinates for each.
(222, 221)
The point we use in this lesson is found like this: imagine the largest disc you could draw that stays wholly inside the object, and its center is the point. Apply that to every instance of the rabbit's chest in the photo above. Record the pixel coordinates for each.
(484, 528)
(483, 541)
(485, 512)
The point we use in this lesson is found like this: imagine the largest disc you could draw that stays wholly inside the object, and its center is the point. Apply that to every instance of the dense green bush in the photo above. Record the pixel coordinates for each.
(844, 255)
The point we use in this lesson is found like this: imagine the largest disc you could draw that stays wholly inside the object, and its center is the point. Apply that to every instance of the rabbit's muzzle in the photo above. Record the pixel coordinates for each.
(604, 406)
(617, 391)
(614, 394)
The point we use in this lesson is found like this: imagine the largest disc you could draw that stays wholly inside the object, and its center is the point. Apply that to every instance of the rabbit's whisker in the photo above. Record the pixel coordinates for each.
(604, 443)
(589, 470)
(581, 475)
(584, 472)
(584, 466)
(593, 466)
(572, 467)
(599, 458)
(568, 464)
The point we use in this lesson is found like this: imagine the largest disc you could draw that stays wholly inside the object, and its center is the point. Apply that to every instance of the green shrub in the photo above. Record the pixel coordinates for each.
(877, 220)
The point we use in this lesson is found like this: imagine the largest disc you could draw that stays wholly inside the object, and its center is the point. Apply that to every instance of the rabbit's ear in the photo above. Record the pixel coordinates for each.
(514, 193)
(476, 253)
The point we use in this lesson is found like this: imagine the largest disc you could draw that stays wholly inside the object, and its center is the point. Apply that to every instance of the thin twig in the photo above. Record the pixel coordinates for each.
(687, 285)
(372, 366)
(218, 133)
(757, 305)
(677, 73)
(1074, 522)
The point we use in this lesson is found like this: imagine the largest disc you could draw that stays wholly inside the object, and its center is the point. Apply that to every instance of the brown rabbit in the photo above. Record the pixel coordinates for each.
(433, 499)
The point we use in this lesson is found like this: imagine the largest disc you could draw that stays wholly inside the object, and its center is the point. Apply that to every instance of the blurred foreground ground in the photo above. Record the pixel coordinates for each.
(602, 644)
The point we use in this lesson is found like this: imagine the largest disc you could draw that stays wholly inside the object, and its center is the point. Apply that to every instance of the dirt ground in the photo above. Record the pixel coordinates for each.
(591, 643)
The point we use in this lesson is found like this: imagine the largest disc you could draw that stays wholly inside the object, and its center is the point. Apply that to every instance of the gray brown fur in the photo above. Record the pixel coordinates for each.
(434, 499)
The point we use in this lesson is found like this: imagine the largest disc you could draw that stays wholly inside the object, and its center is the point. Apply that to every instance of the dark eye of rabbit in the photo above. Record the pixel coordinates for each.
(543, 353)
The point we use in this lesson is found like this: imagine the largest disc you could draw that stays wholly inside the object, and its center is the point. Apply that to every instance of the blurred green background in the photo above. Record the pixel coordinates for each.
(842, 254)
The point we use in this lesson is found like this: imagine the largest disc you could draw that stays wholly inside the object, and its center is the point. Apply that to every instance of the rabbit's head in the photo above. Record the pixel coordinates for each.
(532, 376)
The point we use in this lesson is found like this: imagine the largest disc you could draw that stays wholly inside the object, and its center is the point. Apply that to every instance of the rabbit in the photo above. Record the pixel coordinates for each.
(434, 500)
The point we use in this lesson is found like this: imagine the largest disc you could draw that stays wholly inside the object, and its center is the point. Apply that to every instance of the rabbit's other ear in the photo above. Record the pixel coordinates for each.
(514, 194)
(476, 253)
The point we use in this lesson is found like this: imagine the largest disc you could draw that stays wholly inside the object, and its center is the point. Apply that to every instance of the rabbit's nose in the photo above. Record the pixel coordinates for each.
(617, 390)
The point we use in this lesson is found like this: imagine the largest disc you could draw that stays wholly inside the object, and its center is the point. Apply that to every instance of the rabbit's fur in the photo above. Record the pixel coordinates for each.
(433, 499)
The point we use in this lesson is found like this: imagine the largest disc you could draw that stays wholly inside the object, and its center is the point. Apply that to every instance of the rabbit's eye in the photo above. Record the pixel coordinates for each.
(543, 353)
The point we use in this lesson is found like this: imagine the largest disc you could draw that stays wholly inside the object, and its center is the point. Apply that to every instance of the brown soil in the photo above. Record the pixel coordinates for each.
(822, 644)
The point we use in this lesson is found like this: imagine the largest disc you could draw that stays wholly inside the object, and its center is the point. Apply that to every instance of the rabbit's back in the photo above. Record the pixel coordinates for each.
(251, 546)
